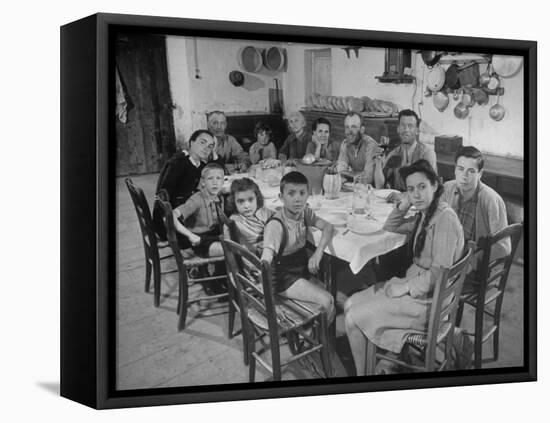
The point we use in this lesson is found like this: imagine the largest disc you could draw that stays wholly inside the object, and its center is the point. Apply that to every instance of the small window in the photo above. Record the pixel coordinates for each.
(397, 67)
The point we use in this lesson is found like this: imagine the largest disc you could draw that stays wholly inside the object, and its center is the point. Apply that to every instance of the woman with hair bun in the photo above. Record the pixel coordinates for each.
(387, 311)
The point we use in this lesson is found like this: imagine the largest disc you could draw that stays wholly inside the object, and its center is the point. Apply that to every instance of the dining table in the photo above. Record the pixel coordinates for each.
(357, 239)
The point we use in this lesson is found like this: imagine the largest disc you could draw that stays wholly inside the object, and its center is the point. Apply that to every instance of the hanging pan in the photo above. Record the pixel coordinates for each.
(506, 66)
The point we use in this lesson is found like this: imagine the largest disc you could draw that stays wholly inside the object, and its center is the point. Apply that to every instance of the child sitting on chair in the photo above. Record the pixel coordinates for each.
(251, 216)
(285, 245)
(263, 148)
(197, 220)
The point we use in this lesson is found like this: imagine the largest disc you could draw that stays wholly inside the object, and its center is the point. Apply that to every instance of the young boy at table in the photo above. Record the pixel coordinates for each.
(285, 245)
(197, 220)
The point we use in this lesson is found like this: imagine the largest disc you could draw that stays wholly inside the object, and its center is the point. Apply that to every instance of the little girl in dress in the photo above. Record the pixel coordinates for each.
(251, 215)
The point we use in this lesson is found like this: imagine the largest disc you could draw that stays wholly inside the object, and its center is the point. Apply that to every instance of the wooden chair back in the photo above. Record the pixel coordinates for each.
(171, 232)
(231, 226)
(494, 273)
(252, 280)
(441, 323)
(144, 215)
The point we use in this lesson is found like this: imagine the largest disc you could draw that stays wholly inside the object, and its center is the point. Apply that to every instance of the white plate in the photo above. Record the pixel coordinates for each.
(337, 219)
(383, 193)
(363, 226)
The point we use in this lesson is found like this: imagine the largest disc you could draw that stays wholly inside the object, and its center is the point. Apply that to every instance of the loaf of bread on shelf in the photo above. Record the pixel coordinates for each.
(368, 106)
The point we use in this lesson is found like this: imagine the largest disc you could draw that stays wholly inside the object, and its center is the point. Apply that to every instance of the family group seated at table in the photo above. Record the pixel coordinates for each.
(446, 216)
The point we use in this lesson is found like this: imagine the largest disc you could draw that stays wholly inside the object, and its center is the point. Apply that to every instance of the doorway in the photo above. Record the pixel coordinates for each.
(145, 138)
(318, 65)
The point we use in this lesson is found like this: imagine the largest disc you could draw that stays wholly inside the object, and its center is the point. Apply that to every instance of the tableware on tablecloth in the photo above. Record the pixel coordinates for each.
(347, 186)
(362, 196)
(252, 170)
(316, 197)
(335, 218)
(361, 225)
(332, 183)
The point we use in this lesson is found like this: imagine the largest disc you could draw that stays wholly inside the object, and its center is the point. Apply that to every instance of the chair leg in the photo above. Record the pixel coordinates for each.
(275, 356)
(478, 333)
(251, 359)
(156, 281)
(496, 322)
(148, 269)
(246, 348)
(325, 351)
(231, 312)
(495, 343)
(459, 313)
(183, 296)
(370, 358)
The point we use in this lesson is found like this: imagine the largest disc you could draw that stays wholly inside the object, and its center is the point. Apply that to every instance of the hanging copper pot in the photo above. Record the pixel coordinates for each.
(480, 97)
(451, 77)
(506, 66)
(497, 112)
(468, 99)
(441, 101)
(461, 111)
(430, 58)
(485, 77)
(436, 78)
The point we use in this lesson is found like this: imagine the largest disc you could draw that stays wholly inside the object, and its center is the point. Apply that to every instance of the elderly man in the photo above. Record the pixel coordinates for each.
(481, 209)
(296, 143)
(319, 145)
(358, 150)
(408, 152)
(227, 149)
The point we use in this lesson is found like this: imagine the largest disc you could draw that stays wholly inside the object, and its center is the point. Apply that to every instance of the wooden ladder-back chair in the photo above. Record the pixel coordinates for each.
(185, 261)
(270, 316)
(151, 243)
(484, 290)
(441, 322)
(234, 303)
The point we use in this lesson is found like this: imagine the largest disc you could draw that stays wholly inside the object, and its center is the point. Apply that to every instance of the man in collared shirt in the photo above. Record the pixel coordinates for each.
(227, 147)
(296, 143)
(358, 150)
(481, 209)
(405, 154)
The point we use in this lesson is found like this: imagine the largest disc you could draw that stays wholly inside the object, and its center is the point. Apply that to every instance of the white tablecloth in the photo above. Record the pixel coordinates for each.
(357, 249)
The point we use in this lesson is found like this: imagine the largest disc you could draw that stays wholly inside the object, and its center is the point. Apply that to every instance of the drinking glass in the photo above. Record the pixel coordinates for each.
(362, 196)
(316, 197)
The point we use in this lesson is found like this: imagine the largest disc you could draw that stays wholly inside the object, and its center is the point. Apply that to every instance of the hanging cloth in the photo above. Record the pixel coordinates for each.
(121, 103)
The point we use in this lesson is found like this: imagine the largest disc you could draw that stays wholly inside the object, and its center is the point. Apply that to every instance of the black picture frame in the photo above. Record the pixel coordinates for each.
(87, 198)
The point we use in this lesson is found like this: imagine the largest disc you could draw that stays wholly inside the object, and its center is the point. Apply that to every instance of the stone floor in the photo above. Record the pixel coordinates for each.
(152, 353)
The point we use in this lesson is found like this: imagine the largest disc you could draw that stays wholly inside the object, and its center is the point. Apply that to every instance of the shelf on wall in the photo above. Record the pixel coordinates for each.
(396, 79)
(452, 57)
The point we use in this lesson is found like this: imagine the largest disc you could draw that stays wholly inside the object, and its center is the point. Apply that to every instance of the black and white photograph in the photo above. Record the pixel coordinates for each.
(291, 211)
(275, 211)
